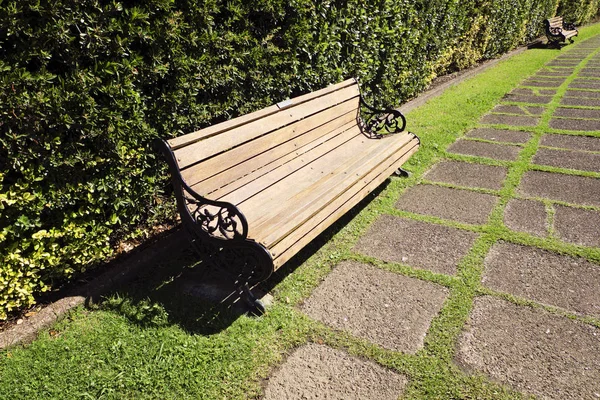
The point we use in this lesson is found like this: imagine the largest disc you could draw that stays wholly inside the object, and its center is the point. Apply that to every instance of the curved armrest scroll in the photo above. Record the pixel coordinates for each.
(378, 121)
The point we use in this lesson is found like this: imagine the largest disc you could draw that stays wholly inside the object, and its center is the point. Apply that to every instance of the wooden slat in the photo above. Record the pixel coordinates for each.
(290, 245)
(213, 130)
(268, 148)
(278, 222)
(298, 156)
(312, 160)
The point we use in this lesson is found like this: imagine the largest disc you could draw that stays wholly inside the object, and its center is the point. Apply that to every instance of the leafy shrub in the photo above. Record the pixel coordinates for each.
(88, 84)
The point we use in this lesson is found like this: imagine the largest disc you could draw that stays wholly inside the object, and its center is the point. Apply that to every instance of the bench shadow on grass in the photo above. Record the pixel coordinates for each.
(174, 285)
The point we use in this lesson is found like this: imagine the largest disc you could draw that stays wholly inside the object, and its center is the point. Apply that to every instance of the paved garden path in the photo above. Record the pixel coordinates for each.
(530, 174)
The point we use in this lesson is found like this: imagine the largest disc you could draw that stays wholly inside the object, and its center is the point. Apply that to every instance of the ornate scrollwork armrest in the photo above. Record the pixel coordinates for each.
(569, 26)
(377, 122)
(217, 219)
(557, 30)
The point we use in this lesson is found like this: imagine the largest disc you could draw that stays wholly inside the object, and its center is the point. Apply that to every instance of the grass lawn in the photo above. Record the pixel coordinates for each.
(152, 341)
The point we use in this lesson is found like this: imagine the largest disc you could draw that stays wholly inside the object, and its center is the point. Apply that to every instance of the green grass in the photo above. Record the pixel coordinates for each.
(150, 341)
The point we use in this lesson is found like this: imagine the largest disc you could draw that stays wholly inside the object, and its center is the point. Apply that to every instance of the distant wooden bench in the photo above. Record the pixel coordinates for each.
(254, 190)
(558, 31)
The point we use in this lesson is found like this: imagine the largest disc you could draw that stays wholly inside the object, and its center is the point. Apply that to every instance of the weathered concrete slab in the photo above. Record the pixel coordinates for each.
(569, 188)
(513, 120)
(519, 110)
(542, 83)
(568, 159)
(533, 92)
(547, 72)
(467, 174)
(585, 84)
(500, 135)
(418, 244)
(543, 276)
(526, 216)
(532, 350)
(577, 113)
(578, 101)
(454, 204)
(315, 371)
(483, 149)
(583, 93)
(528, 99)
(575, 124)
(572, 142)
(388, 309)
(578, 226)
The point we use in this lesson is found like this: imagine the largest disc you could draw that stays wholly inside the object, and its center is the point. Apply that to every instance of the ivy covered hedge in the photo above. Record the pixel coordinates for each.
(88, 84)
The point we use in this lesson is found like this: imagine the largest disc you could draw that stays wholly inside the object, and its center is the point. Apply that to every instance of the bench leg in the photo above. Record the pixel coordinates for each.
(401, 172)
(255, 305)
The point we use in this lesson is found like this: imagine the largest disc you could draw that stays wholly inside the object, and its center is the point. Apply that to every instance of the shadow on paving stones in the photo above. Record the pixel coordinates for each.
(176, 286)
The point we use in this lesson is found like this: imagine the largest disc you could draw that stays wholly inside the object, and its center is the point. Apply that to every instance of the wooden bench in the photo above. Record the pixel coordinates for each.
(254, 190)
(558, 31)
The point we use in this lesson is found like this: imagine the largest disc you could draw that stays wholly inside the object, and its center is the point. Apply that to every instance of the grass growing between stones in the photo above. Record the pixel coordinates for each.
(151, 341)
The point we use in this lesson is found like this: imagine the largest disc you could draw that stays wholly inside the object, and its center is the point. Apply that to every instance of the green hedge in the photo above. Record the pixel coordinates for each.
(88, 84)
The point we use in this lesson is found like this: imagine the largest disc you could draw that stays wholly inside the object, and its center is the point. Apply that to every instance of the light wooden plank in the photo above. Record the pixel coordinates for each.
(284, 250)
(269, 148)
(214, 145)
(277, 223)
(216, 129)
(314, 159)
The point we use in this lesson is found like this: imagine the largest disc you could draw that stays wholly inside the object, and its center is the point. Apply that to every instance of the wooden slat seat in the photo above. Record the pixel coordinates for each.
(558, 31)
(265, 184)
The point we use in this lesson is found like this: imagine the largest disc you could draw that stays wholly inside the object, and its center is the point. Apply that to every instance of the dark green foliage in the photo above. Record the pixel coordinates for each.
(88, 84)
(578, 11)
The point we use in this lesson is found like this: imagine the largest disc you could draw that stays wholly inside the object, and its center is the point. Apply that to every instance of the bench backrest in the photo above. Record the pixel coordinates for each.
(555, 22)
(207, 158)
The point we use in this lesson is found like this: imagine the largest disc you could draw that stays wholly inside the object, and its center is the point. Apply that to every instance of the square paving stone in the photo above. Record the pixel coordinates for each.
(578, 226)
(578, 101)
(577, 113)
(575, 124)
(500, 135)
(418, 244)
(468, 174)
(569, 188)
(526, 216)
(573, 142)
(543, 276)
(568, 159)
(483, 149)
(528, 99)
(514, 120)
(520, 110)
(532, 350)
(583, 93)
(388, 309)
(454, 204)
(319, 372)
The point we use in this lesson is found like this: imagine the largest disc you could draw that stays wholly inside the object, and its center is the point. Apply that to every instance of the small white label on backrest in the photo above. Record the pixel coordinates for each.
(284, 104)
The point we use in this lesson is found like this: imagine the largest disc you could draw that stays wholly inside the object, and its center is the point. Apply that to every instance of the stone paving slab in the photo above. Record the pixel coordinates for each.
(578, 101)
(575, 124)
(315, 371)
(569, 188)
(513, 120)
(467, 174)
(418, 244)
(542, 83)
(528, 99)
(585, 85)
(546, 72)
(568, 159)
(526, 216)
(583, 93)
(453, 204)
(520, 110)
(578, 226)
(532, 92)
(500, 135)
(577, 113)
(532, 350)
(388, 309)
(573, 142)
(483, 149)
(590, 73)
(549, 278)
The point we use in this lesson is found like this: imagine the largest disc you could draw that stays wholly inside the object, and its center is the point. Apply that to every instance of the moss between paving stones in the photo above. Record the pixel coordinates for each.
(141, 348)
